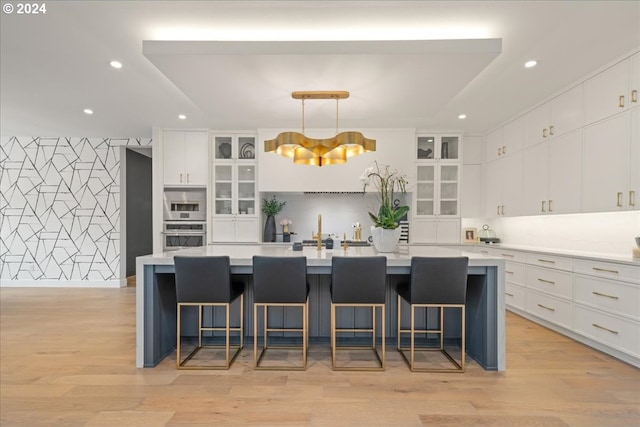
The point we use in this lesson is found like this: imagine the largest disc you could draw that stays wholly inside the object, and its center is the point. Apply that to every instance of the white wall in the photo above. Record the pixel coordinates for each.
(339, 212)
(609, 233)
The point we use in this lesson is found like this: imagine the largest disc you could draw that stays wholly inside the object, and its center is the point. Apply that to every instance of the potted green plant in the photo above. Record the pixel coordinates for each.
(388, 182)
(271, 207)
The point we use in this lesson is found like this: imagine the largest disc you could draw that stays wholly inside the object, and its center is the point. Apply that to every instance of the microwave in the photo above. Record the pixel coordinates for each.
(185, 205)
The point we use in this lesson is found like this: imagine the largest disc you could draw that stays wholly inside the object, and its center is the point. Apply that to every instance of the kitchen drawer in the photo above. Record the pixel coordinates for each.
(550, 261)
(615, 297)
(608, 269)
(551, 309)
(613, 331)
(514, 296)
(488, 250)
(558, 283)
(514, 272)
(510, 255)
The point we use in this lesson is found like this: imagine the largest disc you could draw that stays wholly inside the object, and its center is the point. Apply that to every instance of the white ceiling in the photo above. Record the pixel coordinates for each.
(252, 54)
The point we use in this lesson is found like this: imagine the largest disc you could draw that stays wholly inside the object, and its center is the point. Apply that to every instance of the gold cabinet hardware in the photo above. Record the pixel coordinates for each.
(507, 255)
(595, 325)
(621, 101)
(508, 294)
(546, 281)
(551, 130)
(634, 95)
(544, 133)
(632, 198)
(619, 199)
(604, 270)
(504, 149)
(604, 295)
(499, 151)
(484, 252)
(498, 209)
(550, 207)
(546, 260)
(546, 308)
(508, 272)
(542, 208)
(501, 209)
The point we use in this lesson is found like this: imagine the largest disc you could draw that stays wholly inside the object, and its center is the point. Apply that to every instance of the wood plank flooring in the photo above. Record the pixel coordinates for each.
(67, 358)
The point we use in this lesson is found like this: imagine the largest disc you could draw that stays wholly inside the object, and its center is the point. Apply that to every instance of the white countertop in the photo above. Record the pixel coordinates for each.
(590, 255)
(241, 254)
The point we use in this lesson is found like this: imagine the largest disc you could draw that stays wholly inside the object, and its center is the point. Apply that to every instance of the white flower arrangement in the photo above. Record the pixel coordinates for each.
(286, 221)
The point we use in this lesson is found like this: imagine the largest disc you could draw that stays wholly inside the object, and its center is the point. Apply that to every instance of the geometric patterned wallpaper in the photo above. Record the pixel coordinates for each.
(60, 208)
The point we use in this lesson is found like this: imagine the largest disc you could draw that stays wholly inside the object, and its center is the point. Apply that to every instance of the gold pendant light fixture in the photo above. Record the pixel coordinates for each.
(320, 152)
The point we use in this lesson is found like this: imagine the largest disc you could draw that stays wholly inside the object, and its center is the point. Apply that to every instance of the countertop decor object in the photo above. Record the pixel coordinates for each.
(271, 207)
(319, 152)
(388, 182)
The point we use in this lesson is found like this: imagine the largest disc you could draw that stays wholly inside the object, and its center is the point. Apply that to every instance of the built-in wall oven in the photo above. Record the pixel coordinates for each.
(184, 219)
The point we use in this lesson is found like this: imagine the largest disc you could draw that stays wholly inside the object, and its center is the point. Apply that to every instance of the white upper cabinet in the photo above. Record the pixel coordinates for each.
(185, 158)
(493, 145)
(440, 148)
(394, 147)
(552, 174)
(560, 115)
(609, 157)
(612, 91)
(503, 186)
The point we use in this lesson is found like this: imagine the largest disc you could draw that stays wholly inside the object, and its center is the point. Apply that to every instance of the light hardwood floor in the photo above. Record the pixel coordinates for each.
(67, 358)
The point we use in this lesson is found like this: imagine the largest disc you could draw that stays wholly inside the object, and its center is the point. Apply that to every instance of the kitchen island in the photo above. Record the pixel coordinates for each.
(156, 301)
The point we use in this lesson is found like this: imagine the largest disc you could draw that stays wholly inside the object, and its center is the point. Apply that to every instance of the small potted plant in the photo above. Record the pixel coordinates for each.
(271, 207)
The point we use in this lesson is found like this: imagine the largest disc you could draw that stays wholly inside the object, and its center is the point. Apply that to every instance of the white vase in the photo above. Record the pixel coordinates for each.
(384, 239)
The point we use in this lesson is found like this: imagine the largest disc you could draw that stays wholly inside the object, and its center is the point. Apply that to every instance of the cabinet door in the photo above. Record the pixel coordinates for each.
(634, 86)
(536, 125)
(448, 231)
(246, 229)
(223, 147)
(492, 188)
(605, 161)
(245, 200)
(245, 148)
(493, 145)
(633, 201)
(173, 155)
(471, 197)
(513, 136)
(223, 229)
(602, 93)
(424, 231)
(565, 173)
(535, 168)
(425, 190)
(448, 191)
(195, 158)
(223, 189)
(566, 112)
(512, 184)
(450, 147)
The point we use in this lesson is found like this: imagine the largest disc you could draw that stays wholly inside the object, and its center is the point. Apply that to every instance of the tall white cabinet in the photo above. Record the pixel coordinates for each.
(436, 210)
(234, 188)
(185, 158)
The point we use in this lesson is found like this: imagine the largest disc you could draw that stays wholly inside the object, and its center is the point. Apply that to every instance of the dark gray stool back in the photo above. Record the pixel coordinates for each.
(358, 279)
(438, 280)
(204, 279)
(280, 279)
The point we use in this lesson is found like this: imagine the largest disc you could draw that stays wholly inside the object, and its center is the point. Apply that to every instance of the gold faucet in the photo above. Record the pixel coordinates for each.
(319, 235)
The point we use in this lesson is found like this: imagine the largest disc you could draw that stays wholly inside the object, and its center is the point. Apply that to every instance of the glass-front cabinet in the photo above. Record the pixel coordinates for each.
(438, 147)
(235, 201)
(437, 190)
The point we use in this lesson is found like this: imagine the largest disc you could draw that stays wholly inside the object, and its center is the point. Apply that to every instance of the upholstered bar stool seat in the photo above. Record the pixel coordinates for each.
(205, 281)
(279, 282)
(439, 283)
(359, 282)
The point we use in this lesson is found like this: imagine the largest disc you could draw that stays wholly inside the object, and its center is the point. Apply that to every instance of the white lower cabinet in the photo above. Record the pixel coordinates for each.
(445, 231)
(596, 302)
(234, 229)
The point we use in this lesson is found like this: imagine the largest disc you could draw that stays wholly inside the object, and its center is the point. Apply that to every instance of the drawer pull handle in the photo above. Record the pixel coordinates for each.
(547, 281)
(546, 308)
(619, 199)
(542, 207)
(508, 294)
(507, 255)
(508, 272)
(604, 295)
(546, 260)
(605, 270)
(550, 206)
(634, 95)
(484, 252)
(621, 101)
(595, 325)
(632, 198)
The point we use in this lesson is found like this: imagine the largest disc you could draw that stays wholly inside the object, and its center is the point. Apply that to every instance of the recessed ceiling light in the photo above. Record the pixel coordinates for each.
(182, 116)
(530, 64)
(462, 116)
(116, 64)
(88, 111)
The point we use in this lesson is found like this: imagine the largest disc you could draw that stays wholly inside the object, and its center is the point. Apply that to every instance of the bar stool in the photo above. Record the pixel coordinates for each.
(434, 282)
(205, 281)
(280, 282)
(359, 282)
